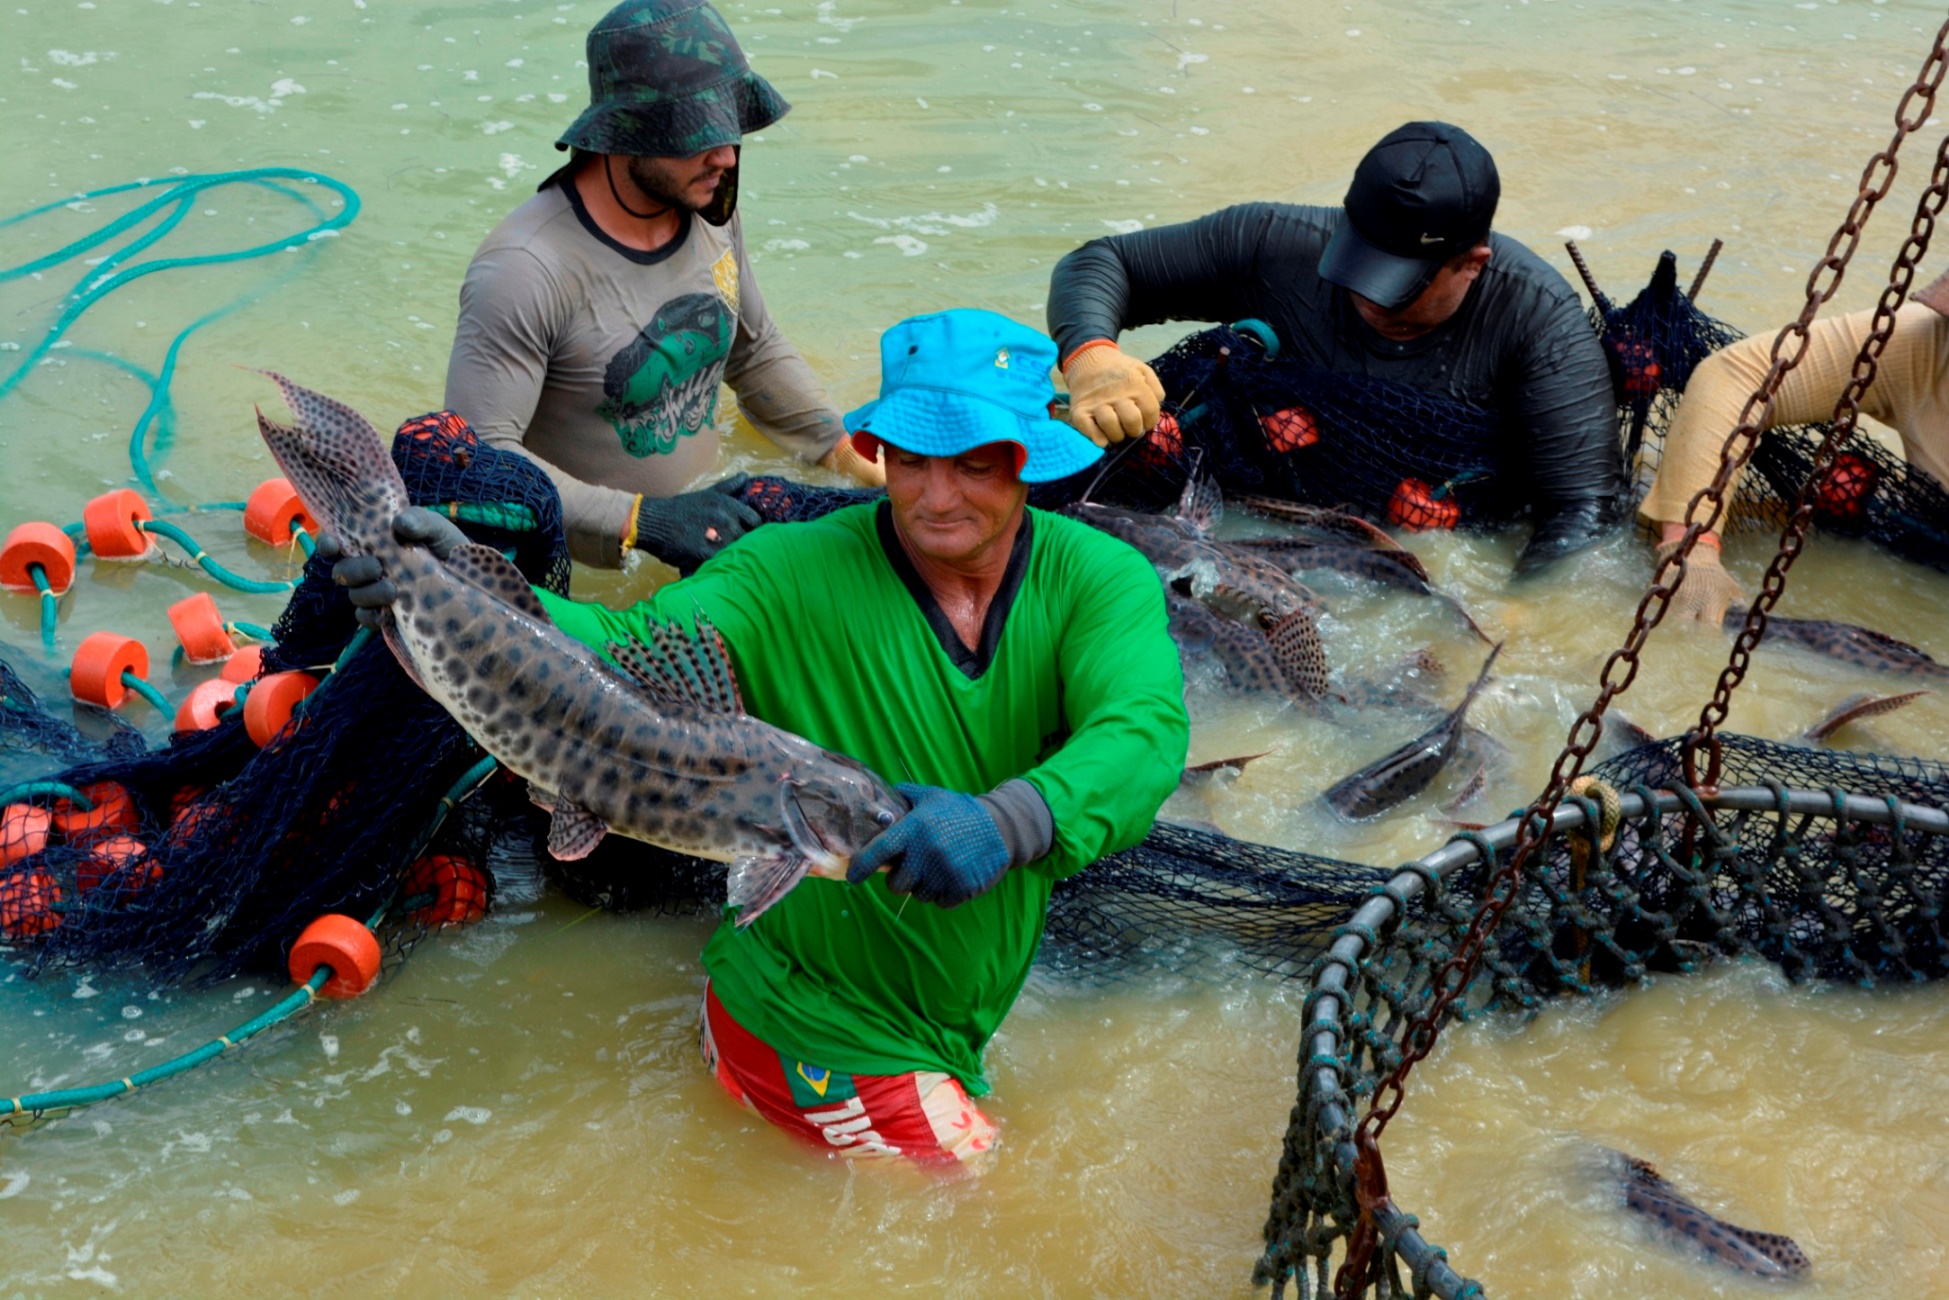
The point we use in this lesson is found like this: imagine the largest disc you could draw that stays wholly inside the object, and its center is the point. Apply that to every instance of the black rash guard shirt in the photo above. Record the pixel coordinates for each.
(1520, 344)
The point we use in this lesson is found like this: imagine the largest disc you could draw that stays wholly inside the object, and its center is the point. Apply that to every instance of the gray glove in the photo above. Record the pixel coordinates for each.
(364, 578)
(684, 531)
(1707, 590)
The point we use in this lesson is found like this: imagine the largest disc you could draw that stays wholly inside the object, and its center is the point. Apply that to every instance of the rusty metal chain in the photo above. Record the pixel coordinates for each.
(1360, 1269)
(1847, 412)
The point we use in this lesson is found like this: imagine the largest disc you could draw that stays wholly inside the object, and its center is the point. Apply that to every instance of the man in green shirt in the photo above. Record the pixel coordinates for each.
(1013, 666)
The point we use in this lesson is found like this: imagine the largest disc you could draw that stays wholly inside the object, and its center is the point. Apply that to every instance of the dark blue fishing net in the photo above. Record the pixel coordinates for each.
(229, 850)
(1262, 423)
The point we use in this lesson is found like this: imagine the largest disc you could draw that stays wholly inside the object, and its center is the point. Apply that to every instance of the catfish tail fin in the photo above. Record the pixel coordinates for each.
(338, 463)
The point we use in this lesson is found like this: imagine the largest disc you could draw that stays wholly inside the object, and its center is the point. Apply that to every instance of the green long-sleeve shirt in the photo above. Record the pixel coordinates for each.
(830, 635)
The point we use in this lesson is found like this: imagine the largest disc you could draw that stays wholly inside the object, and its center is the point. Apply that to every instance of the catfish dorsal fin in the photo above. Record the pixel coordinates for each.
(692, 667)
(1201, 505)
(482, 566)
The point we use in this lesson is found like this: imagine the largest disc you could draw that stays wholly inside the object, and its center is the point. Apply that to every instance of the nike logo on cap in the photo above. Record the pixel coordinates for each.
(1431, 239)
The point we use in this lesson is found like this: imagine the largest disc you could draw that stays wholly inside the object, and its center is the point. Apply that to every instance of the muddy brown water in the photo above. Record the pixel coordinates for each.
(519, 1109)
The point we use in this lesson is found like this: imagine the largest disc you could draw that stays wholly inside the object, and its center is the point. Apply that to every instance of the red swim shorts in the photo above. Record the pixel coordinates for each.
(922, 1115)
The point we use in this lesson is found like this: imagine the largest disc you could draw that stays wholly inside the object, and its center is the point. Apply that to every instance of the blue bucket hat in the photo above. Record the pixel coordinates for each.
(956, 380)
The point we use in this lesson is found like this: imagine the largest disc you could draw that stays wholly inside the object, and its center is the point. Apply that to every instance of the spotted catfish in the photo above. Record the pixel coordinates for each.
(1227, 577)
(1410, 769)
(1388, 567)
(661, 751)
(1849, 644)
(1762, 1254)
(1285, 659)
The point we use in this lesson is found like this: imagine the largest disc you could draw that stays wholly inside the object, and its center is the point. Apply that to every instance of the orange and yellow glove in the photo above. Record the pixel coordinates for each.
(1112, 395)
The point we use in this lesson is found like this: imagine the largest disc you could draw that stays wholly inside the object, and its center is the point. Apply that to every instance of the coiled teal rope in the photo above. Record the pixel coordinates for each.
(175, 200)
(236, 581)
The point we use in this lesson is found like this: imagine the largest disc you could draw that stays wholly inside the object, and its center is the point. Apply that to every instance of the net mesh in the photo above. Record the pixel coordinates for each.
(209, 855)
(1262, 423)
(1819, 890)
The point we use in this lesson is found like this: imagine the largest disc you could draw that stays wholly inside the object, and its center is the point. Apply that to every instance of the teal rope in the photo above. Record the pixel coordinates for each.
(115, 270)
(304, 540)
(210, 566)
(146, 691)
(38, 1103)
(37, 789)
(50, 608)
(255, 631)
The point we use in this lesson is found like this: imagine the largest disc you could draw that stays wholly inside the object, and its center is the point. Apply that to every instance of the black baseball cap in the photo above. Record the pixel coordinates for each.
(1422, 195)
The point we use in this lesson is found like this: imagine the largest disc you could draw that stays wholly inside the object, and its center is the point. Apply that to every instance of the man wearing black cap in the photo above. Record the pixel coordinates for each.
(1405, 283)
(599, 318)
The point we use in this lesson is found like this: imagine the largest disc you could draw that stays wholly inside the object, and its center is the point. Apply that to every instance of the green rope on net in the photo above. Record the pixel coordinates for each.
(508, 516)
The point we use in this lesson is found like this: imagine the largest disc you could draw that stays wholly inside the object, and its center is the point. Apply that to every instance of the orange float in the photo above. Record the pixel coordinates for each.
(1164, 443)
(200, 628)
(337, 941)
(42, 544)
(1417, 506)
(183, 800)
(117, 853)
(28, 900)
(203, 708)
(1843, 498)
(1290, 429)
(111, 810)
(456, 887)
(111, 520)
(99, 662)
(272, 701)
(23, 831)
(273, 510)
(244, 665)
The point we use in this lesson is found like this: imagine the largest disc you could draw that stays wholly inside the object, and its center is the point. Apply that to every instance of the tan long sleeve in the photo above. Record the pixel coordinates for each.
(1910, 394)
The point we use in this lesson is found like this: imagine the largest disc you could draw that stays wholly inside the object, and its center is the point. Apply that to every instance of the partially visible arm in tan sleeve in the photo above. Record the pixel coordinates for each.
(1720, 386)
(500, 357)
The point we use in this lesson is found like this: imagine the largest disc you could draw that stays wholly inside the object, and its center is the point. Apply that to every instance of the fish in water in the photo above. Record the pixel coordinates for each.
(1855, 707)
(661, 751)
(1398, 569)
(1762, 1254)
(1861, 646)
(1229, 578)
(1286, 659)
(1339, 523)
(1410, 769)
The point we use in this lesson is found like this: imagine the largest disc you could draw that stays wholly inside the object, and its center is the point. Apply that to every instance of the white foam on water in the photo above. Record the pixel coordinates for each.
(14, 1182)
(475, 1115)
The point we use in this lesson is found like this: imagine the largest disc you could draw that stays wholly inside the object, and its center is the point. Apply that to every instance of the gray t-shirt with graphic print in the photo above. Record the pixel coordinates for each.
(603, 363)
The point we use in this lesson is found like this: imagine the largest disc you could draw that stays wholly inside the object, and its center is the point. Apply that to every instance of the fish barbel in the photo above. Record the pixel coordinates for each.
(660, 751)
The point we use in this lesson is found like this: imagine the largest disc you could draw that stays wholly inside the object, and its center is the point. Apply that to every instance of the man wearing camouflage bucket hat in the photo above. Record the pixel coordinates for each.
(599, 318)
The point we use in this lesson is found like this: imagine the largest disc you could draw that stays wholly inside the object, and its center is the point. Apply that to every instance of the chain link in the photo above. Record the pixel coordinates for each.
(1360, 1269)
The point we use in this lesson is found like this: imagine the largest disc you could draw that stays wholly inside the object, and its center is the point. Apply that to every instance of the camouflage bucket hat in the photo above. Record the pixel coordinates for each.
(667, 80)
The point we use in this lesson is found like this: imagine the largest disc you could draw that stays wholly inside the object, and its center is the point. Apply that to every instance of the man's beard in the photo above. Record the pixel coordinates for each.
(661, 189)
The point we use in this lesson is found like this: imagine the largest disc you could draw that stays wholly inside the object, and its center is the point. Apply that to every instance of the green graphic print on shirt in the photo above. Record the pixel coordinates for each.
(663, 386)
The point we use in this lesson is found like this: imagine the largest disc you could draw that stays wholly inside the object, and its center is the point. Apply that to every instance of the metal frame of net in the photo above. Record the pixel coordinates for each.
(1823, 883)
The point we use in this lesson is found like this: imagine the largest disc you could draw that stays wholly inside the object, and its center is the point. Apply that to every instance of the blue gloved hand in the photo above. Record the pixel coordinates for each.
(945, 851)
(364, 578)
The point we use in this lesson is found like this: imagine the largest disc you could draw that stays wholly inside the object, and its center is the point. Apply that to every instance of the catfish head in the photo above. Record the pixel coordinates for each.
(834, 807)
